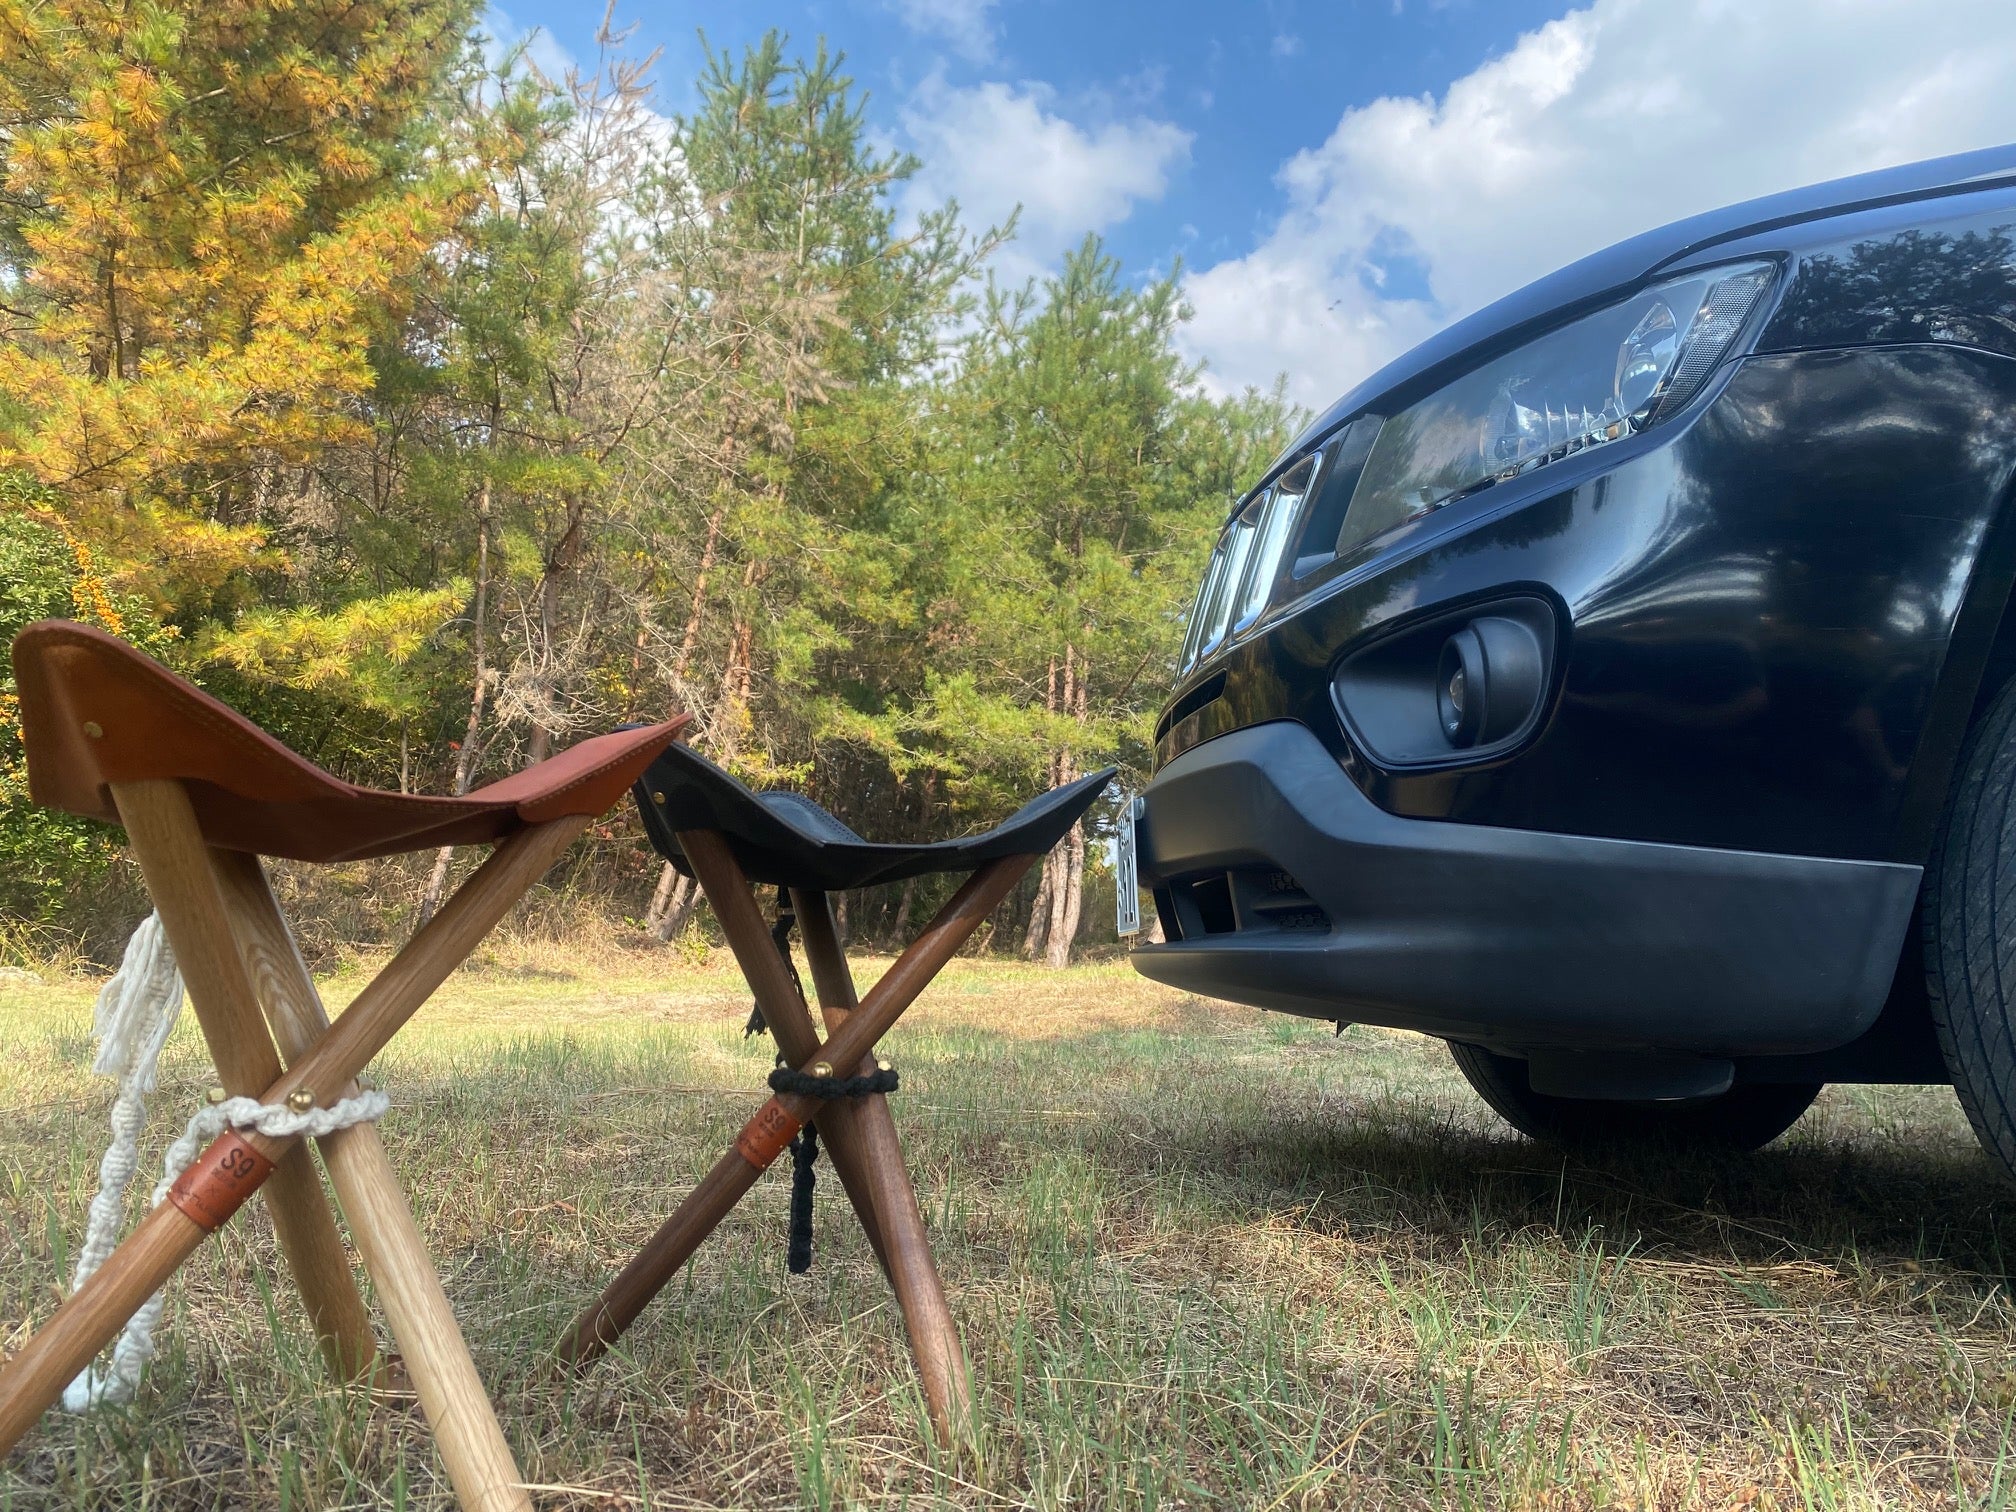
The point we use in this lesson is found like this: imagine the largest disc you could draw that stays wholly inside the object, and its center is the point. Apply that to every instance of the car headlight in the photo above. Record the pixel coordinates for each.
(1592, 381)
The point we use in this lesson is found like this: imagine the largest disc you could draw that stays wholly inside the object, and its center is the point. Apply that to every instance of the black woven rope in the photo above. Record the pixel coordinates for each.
(805, 1146)
(804, 1152)
(805, 1084)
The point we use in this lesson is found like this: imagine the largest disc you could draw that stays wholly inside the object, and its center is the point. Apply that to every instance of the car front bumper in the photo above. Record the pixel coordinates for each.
(1281, 884)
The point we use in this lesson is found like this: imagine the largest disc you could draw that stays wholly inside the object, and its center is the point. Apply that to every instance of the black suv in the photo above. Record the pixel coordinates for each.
(1620, 685)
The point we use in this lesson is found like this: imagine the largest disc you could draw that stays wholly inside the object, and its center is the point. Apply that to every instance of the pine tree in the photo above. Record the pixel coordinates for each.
(1081, 482)
(207, 208)
(827, 311)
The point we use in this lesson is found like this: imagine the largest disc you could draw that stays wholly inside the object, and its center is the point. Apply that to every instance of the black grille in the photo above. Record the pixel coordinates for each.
(1245, 900)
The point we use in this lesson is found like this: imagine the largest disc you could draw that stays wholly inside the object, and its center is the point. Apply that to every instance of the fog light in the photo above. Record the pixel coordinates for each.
(1489, 681)
(1462, 687)
(1462, 692)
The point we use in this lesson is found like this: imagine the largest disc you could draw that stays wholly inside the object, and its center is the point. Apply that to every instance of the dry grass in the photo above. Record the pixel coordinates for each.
(1202, 1257)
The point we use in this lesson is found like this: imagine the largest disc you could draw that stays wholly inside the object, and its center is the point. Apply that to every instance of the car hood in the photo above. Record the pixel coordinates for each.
(1615, 271)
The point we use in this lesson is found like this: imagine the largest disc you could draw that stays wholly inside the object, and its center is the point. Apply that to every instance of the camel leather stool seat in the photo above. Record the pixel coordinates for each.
(204, 794)
(726, 837)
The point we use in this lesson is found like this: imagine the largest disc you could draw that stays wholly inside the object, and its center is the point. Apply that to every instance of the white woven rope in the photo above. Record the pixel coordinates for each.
(135, 1013)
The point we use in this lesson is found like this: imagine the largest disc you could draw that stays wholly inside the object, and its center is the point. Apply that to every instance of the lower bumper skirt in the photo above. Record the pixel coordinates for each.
(1292, 890)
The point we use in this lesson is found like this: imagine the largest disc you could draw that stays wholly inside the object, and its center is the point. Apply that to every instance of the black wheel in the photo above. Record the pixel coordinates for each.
(1969, 921)
(1743, 1118)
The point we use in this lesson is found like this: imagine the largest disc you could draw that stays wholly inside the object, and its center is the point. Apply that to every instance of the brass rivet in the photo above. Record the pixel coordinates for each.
(820, 1068)
(92, 729)
(215, 1095)
(657, 797)
(301, 1099)
(881, 1065)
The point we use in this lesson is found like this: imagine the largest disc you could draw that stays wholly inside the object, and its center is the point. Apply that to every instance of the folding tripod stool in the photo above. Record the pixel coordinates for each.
(204, 793)
(726, 837)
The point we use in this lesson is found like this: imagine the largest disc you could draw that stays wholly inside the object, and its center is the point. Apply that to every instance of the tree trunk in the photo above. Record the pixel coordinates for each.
(926, 799)
(1033, 942)
(692, 631)
(540, 746)
(738, 677)
(678, 906)
(636, 668)
(1060, 899)
(1039, 914)
(1067, 892)
(559, 561)
(900, 929)
(437, 880)
(1071, 866)
(661, 897)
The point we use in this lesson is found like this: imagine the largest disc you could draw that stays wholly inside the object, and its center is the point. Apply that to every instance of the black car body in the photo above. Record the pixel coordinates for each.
(1730, 643)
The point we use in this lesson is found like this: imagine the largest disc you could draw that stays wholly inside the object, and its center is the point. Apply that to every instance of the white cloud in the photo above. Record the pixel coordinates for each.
(1285, 45)
(502, 36)
(994, 146)
(963, 25)
(1596, 126)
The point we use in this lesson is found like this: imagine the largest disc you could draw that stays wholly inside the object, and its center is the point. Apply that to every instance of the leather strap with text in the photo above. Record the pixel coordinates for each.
(217, 1183)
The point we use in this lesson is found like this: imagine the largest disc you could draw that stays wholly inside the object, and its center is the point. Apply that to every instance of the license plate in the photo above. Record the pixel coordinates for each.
(1126, 873)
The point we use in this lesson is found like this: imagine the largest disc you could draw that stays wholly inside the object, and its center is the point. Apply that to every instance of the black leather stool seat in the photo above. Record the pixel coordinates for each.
(784, 840)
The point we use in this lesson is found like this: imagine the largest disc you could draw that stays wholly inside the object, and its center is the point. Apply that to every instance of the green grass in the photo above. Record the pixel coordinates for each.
(1202, 1256)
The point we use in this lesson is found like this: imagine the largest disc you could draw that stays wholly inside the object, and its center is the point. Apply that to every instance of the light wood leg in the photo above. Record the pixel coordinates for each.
(473, 1448)
(173, 858)
(934, 1337)
(89, 1319)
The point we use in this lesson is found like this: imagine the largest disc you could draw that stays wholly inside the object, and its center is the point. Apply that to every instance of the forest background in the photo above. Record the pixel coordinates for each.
(437, 413)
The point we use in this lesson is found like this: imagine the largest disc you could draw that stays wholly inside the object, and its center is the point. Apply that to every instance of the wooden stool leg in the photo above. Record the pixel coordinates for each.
(473, 1448)
(934, 1341)
(88, 1320)
(763, 1138)
(841, 1142)
(934, 1337)
(175, 861)
(783, 1005)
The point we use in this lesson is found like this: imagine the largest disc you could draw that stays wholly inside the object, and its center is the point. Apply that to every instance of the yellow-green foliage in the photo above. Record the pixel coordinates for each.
(210, 206)
(47, 572)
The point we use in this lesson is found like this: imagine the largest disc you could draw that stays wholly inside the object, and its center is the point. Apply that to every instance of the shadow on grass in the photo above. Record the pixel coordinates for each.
(1371, 1135)
(1341, 1165)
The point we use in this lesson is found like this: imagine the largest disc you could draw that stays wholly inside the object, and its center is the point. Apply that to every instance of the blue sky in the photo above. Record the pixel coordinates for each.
(1339, 179)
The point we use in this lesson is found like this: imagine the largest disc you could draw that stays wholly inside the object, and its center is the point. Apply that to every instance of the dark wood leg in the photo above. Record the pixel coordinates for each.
(783, 1004)
(765, 1135)
(934, 1337)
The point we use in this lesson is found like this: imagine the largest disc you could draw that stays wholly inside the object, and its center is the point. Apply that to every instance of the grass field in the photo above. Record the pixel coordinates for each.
(1202, 1256)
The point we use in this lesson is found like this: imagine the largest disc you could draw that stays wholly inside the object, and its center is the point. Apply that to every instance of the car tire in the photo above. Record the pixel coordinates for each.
(1741, 1119)
(1970, 948)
